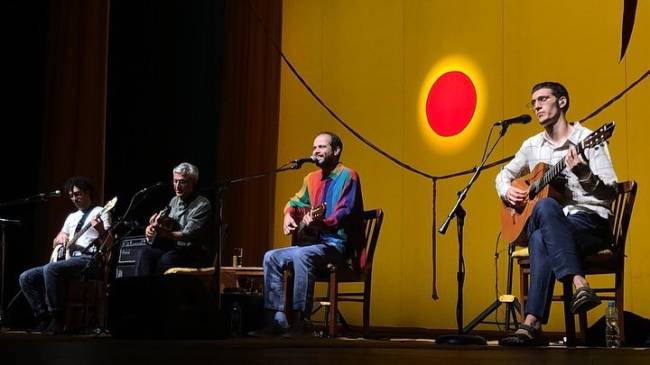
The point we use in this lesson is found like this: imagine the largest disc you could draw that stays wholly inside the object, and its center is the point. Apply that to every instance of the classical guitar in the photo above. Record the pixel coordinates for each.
(514, 219)
(307, 234)
(63, 251)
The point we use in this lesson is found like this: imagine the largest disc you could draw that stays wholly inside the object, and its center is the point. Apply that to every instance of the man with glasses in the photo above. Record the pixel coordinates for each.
(179, 234)
(559, 232)
(42, 285)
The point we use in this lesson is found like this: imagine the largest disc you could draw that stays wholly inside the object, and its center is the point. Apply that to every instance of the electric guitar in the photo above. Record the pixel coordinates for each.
(63, 251)
(514, 219)
(305, 235)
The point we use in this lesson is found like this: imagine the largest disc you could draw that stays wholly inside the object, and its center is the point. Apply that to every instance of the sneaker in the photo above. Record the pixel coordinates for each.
(301, 328)
(584, 300)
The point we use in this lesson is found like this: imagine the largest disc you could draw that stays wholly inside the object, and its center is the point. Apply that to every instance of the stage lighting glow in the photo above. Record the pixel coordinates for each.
(451, 104)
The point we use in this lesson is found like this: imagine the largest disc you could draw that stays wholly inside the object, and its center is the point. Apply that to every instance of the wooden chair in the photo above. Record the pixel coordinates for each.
(609, 261)
(345, 274)
(85, 296)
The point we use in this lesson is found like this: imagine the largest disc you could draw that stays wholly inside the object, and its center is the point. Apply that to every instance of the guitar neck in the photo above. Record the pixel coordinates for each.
(553, 172)
(78, 235)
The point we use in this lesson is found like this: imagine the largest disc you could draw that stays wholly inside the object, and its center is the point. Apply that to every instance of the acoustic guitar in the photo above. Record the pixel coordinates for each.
(514, 219)
(64, 251)
(305, 235)
(164, 220)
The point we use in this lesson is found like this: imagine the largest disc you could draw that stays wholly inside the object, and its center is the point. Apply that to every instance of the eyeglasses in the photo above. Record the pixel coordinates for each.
(541, 99)
(75, 194)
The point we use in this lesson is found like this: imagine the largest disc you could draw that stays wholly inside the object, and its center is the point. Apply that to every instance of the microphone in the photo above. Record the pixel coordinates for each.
(52, 194)
(522, 119)
(300, 161)
(157, 185)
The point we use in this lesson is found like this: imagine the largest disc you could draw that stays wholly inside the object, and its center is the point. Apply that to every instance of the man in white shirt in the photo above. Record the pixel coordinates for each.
(559, 232)
(42, 285)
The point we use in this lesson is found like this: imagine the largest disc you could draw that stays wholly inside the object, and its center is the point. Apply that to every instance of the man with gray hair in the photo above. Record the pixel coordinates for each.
(178, 235)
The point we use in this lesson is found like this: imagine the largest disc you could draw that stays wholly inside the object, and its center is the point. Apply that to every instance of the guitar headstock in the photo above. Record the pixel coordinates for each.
(599, 136)
(110, 205)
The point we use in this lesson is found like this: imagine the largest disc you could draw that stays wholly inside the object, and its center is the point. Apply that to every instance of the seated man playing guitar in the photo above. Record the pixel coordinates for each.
(575, 222)
(42, 285)
(330, 199)
(179, 234)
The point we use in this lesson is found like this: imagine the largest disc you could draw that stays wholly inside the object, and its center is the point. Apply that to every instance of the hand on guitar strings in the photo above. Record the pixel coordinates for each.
(516, 197)
(60, 239)
(161, 226)
(289, 224)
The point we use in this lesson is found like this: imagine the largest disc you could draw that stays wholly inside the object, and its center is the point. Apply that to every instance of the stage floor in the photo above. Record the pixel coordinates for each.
(23, 348)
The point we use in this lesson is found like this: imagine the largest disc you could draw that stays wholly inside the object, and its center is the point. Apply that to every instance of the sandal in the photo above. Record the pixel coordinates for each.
(524, 336)
(583, 300)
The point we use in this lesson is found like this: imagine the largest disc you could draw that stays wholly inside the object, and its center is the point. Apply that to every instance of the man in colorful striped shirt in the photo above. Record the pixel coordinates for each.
(340, 230)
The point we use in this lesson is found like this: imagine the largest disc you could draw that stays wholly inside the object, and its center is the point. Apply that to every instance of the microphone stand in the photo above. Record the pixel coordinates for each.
(457, 211)
(30, 199)
(4, 223)
(219, 190)
(102, 248)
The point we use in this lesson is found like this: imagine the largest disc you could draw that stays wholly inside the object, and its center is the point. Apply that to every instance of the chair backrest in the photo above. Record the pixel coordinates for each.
(372, 220)
(622, 210)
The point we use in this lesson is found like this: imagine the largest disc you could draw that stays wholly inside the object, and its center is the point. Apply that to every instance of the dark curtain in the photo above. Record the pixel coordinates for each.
(249, 132)
(74, 119)
(163, 97)
(124, 98)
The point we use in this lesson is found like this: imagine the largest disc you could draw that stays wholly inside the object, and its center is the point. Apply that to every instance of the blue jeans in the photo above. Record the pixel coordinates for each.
(43, 285)
(308, 262)
(556, 245)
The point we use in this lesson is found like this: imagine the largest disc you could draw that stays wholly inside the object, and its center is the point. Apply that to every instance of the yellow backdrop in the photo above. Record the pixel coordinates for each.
(371, 60)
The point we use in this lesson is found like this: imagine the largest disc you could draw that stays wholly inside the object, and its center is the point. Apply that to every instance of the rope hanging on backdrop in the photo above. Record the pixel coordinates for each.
(433, 178)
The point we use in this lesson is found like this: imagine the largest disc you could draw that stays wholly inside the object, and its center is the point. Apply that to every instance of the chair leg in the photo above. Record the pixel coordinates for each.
(333, 309)
(569, 319)
(366, 307)
(523, 286)
(584, 325)
(620, 308)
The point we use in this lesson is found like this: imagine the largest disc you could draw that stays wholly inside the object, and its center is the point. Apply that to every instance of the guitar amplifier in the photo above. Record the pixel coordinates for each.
(129, 252)
(130, 249)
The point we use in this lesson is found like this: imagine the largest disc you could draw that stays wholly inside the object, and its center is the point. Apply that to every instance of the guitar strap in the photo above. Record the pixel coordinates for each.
(82, 220)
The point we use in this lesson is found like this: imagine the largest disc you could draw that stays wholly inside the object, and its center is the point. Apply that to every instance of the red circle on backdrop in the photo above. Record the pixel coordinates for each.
(451, 103)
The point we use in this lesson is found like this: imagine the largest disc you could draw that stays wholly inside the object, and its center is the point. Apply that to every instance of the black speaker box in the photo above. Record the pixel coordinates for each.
(170, 306)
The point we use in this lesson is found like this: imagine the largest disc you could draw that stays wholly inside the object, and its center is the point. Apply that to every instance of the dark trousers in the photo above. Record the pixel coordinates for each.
(155, 261)
(556, 245)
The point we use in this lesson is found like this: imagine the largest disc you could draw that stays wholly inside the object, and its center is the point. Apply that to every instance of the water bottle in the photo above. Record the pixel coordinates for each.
(235, 320)
(612, 331)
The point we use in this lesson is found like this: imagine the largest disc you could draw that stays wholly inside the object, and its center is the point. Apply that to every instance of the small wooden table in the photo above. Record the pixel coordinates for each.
(245, 278)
